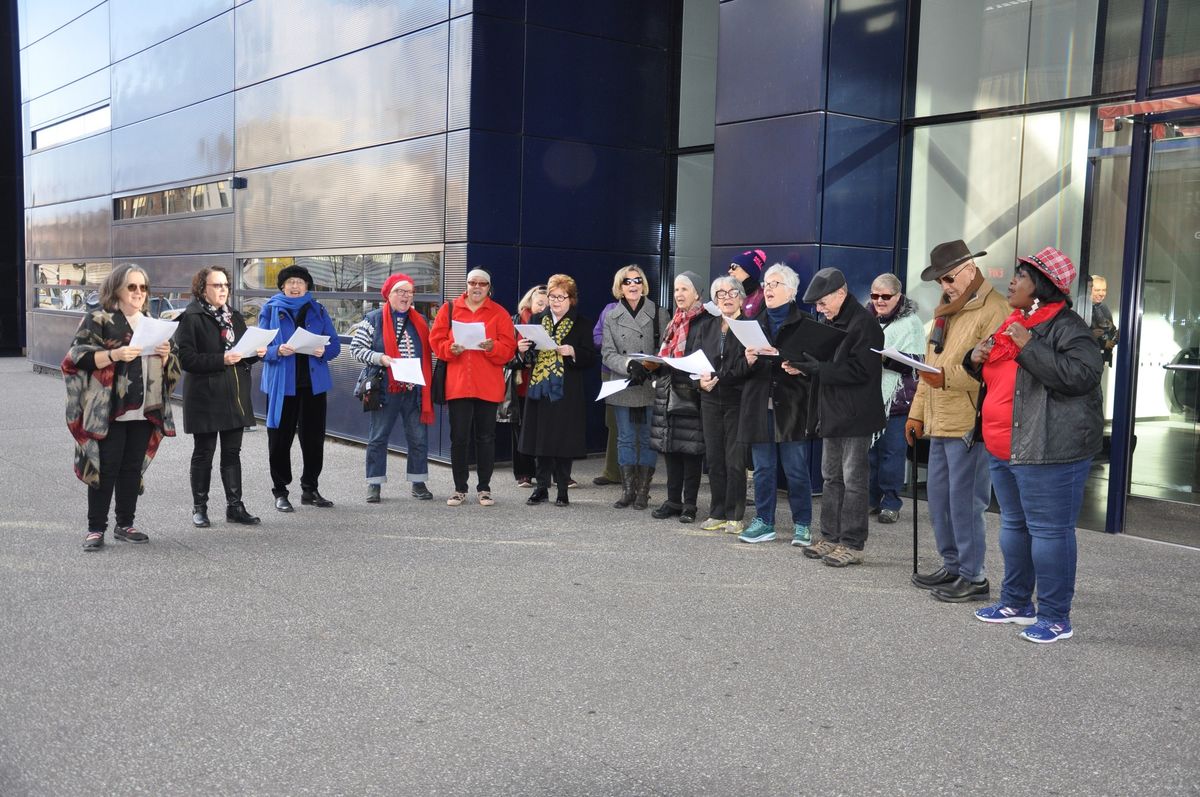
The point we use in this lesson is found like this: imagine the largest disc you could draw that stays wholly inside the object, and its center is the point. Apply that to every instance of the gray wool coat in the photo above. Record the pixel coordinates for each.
(625, 335)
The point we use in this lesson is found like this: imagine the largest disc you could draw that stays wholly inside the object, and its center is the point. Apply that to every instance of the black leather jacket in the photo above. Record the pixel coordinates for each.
(1058, 412)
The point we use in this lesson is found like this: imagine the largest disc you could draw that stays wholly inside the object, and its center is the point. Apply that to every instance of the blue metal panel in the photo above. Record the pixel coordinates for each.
(767, 180)
(861, 266)
(804, 259)
(502, 263)
(866, 58)
(587, 197)
(510, 9)
(862, 159)
(495, 194)
(588, 89)
(771, 58)
(593, 271)
(497, 74)
(637, 21)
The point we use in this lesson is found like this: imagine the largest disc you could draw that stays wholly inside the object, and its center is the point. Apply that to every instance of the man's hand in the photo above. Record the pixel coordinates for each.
(934, 380)
(914, 430)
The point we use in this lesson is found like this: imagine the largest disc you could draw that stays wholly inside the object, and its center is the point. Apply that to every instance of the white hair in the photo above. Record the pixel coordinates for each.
(729, 283)
(789, 278)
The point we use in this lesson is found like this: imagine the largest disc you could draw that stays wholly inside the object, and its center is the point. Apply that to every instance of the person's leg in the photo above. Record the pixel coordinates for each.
(834, 488)
(713, 423)
(1016, 590)
(312, 440)
(1051, 496)
(765, 481)
(735, 464)
(874, 493)
(485, 442)
(674, 478)
(462, 419)
(937, 493)
(111, 450)
(279, 446)
(231, 477)
(129, 479)
(204, 447)
(562, 475)
(626, 437)
(970, 492)
(545, 471)
(379, 431)
(888, 473)
(794, 458)
(647, 456)
(612, 471)
(416, 436)
(855, 472)
(692, 469)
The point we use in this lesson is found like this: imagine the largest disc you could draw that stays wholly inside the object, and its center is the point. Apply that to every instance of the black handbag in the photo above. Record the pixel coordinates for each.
(437, 387)
(506, 410)
(370, 386)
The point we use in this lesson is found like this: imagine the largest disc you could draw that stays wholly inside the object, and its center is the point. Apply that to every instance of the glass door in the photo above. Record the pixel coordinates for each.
(1166, 454)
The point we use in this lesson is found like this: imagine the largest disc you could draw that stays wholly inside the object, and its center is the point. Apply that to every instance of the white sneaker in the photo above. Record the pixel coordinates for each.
(735, 527)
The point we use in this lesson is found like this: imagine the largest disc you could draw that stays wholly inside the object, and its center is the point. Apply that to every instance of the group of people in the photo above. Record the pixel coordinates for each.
(1007, 397)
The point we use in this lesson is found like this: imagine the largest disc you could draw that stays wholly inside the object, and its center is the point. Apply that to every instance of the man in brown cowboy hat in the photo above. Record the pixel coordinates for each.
(943, 409)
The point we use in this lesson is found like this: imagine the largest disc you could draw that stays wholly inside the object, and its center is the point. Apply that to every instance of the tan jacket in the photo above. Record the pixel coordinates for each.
(949, 411)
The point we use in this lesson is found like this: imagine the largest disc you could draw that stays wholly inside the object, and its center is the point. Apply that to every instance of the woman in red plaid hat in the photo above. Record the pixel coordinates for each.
(1042, 420)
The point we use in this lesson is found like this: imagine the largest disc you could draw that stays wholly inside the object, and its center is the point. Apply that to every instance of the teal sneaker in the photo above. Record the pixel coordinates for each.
(801, 536)
(758, 531)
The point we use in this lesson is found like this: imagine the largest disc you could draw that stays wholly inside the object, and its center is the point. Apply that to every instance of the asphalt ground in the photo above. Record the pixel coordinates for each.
(412, 648)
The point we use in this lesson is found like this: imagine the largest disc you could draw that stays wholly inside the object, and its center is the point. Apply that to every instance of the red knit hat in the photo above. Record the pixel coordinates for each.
(1057, 267)
(391, 281)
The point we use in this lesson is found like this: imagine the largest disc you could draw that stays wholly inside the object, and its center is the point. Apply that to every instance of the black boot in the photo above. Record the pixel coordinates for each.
(646, 474)
(235, 512)
(629, 482)
(562, 499)
(668, 509)
(200, 482)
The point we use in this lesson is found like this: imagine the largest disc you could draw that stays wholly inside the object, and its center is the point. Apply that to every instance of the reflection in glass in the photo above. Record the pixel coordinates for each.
(1177, 43)
(76, 127)
(171, 201)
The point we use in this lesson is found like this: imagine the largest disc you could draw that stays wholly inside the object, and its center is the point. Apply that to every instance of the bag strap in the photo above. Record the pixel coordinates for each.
(657, 333)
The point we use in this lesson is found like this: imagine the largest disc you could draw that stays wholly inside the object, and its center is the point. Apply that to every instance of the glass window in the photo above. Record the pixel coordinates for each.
(691, 233)
(425, 268)
(1177, 43)
(77, 127)
(185, 199)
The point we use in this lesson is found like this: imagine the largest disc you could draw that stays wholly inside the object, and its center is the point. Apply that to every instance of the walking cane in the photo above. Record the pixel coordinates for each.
(914, 503)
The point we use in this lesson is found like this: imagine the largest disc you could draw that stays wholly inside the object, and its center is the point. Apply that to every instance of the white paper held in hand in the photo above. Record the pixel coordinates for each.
(468, 334)
(305, 342)
(407, 369)
(695, 363)
(892, 354)
(535, 332)
(608, 388)
(749, 333)
(151, 332)
(254, 339)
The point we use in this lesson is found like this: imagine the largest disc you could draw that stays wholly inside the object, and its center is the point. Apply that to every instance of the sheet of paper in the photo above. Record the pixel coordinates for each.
(468, 334)
(537, 333)
(695, 363)
(749, 333)
(408, 369)
(305, 342)
(712, 309)
(608, 388)
(150, 332)
(892, 354)
(650, 358)
(254, 339)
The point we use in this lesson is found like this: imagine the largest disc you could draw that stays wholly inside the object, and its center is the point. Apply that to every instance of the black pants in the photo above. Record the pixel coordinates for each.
(524, 466)
(557, 467)
(726, 460)
(472, 419)
(302, 414)
(121, 455)
(205, 445)
(683, 478)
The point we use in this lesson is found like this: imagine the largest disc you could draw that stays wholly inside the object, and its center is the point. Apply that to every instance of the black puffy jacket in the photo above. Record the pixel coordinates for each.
(675, 428)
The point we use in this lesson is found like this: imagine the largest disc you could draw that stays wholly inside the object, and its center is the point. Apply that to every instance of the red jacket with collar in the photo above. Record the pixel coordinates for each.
(475, 374)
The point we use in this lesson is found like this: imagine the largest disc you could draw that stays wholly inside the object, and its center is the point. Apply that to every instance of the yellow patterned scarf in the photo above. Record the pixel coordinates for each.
(548, 370)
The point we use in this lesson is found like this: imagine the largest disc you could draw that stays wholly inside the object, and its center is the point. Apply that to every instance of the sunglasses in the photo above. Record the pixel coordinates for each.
(950, 278)
(134, 287)
(632, 281)
(881, 297)
(477, 284)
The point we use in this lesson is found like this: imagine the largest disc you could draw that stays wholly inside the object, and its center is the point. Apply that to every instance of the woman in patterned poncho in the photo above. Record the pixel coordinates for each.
(118, 404)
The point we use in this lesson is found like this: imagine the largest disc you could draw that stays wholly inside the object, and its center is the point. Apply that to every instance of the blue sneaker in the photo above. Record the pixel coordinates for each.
(1045, 631)
(999, 613)
(801, 536)
(758, 531)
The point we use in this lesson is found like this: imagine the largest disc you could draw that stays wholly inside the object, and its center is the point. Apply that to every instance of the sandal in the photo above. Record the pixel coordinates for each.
(456, 499)
(485, 499)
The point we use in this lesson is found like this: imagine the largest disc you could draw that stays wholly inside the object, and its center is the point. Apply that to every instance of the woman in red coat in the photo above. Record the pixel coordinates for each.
(474, 381)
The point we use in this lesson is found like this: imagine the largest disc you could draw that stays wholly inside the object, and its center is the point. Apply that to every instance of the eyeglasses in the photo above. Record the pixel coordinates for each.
(774, 285)
(557, 297)
(134, 287)
(478, 284)
(950, 278)
(727, 294)
(401, 292)
(882, 297)
(218, 285)
(632, 281)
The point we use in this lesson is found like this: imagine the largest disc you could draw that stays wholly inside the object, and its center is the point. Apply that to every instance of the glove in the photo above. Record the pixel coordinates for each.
(637, 372)
(934, 380)
(913, 430)
(808, 364)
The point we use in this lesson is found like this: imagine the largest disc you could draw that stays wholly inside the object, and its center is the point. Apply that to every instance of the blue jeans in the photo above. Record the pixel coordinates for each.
(406, 406)
(886, 458)
(959, 492)
(1039, 505)
(794, 458)
(633, 439)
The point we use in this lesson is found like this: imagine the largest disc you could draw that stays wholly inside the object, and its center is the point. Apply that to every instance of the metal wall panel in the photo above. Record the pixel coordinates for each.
(458, 169)
(72, 171)
(187, 235)
(177, 272)
(497, 71)
(70, 230)
(138, 24)
(191, 67)
(866, 58)
(194, 142)
(458, 114)
(862, 163)
(454, 270)
(332, 108)
(278, 36)
(49, 335)
(70, 99)
(39, 18)
(623, 20)
(382, 196)
(66, 55)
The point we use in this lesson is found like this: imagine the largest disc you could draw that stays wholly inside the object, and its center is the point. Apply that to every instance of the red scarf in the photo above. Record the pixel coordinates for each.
(1004, 348)
(391, 347)
(675, 338)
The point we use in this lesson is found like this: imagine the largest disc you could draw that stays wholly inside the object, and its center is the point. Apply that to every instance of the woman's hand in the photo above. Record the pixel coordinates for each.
(163, 350)
(385, 361)
(487, 344)
(751, 355)
(261, 351)
(708, 382)
(566, 350)
(982, 349)
(125, 354)
(1019, 334)
(524, 345)
(788, 368)
(456, 349)
(232, 358)
(286, 350)
(319, 351)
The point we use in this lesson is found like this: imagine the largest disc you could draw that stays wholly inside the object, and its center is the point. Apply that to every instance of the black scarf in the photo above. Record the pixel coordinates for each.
(224, 319)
